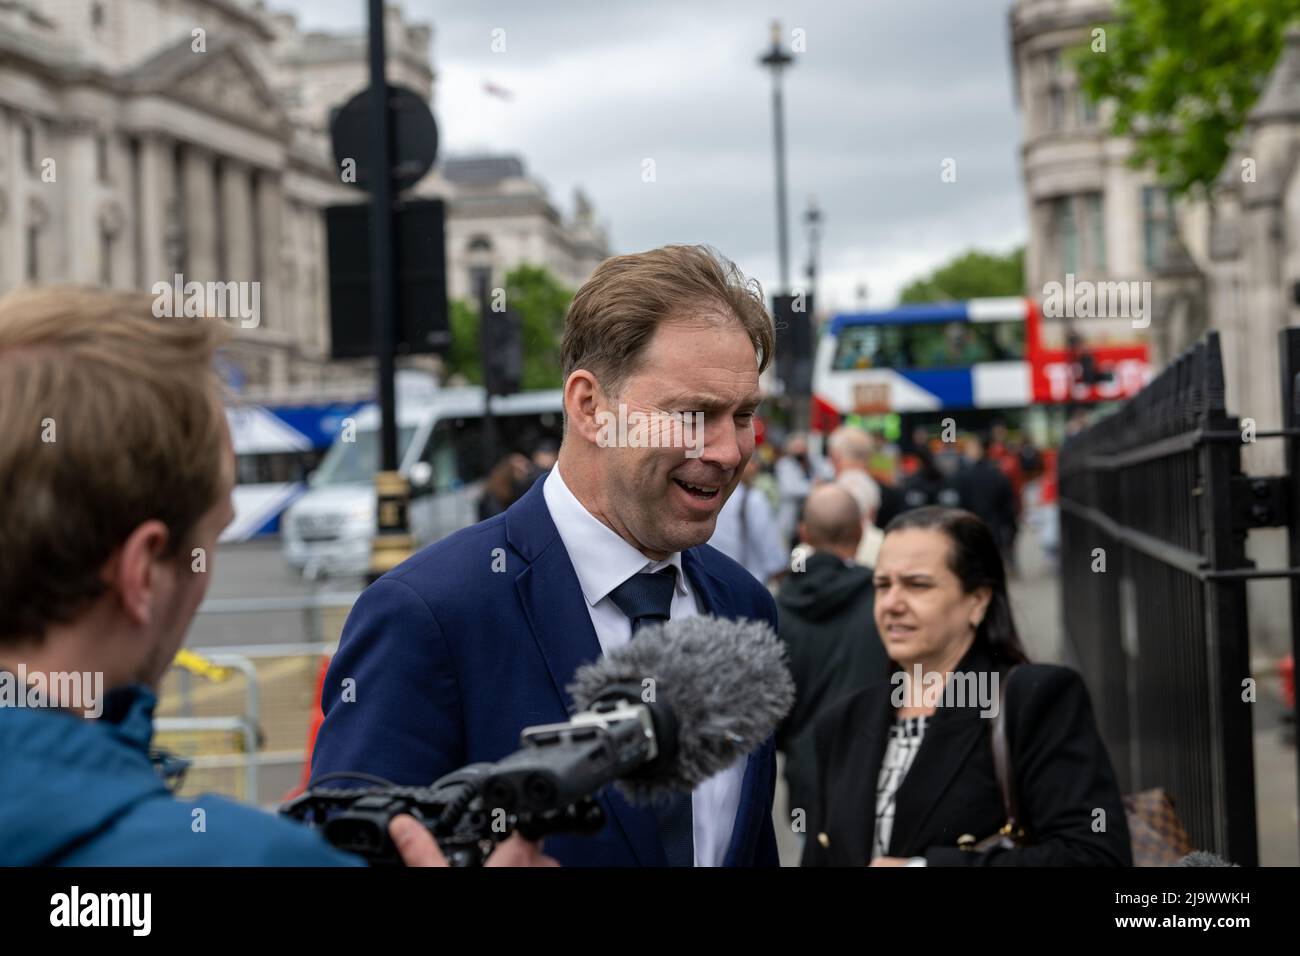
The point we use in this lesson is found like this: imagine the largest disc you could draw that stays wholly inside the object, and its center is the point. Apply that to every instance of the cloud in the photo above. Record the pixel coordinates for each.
(884, 93)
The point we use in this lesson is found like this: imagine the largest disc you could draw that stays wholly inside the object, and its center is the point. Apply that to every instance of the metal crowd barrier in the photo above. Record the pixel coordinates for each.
(236, 711)
(1160, 630)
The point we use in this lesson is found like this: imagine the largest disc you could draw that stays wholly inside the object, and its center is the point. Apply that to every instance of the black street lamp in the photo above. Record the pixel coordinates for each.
(776, 59)
(392, 543)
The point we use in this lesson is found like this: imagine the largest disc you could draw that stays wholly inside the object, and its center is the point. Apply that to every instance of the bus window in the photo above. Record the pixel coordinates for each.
(872, 346)
(1008, 340)
(920, 345)
(950, 345)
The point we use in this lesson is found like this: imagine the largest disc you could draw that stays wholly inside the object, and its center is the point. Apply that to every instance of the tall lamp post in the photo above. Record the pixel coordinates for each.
(776, 59)
(392, 542)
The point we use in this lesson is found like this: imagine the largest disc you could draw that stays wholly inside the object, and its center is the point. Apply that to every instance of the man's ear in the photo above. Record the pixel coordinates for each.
(130, 572)
(585, 405)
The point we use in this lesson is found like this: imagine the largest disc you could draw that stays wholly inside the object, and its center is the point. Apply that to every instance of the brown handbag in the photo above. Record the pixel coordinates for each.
(1156, 835)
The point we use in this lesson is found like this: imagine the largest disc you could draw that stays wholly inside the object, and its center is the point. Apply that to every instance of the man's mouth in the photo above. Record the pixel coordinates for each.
(703, 492)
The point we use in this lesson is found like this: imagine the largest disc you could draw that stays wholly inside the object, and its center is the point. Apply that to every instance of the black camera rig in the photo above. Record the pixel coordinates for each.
(546, 787)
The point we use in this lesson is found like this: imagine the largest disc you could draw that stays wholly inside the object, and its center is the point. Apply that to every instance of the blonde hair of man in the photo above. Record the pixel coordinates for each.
(109, 417)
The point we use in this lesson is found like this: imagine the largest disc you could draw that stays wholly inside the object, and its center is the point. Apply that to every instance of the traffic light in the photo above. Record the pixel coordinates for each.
(503, 365)
(420, 301)
(793, 317)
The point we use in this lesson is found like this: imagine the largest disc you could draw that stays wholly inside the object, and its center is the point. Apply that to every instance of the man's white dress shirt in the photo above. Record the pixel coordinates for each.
(603, 561)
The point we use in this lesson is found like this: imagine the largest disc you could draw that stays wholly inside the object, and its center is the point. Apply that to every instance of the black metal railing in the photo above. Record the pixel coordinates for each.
(1153, 582)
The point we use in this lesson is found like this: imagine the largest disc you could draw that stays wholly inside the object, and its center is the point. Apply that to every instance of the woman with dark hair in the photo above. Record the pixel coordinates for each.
(503, 486)
(906, 768)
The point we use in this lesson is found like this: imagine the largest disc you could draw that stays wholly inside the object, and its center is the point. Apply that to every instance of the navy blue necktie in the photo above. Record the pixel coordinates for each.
(647, 598)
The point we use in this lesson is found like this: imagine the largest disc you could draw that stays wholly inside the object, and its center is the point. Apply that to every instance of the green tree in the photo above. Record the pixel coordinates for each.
(1183, 75)
(542, 301)
(969, 276)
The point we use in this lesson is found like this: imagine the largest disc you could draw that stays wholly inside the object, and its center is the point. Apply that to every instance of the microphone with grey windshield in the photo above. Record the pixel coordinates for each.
(681, 702)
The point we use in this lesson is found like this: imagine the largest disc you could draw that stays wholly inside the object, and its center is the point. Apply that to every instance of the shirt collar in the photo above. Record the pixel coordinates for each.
(601, 558)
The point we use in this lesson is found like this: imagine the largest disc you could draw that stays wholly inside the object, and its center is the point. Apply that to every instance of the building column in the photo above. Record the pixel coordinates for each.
(11, 252)
(200, 205)
(316, 318)
(153, 204)
(77, 231)
(237, 214)
(276, 298)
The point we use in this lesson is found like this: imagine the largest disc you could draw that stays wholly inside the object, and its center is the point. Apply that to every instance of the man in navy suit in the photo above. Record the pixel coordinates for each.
(448, 656)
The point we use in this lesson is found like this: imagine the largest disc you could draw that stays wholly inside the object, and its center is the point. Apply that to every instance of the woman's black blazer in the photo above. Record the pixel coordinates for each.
(1069, 799)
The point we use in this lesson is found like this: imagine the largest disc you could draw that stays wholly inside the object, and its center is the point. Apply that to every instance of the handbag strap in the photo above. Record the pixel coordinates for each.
(1003, 765)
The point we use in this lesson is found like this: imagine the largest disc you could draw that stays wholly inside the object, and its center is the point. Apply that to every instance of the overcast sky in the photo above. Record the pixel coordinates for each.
(883, 93)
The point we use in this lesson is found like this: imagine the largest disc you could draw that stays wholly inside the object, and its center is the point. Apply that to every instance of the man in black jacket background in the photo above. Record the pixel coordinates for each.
(825, 619)
(988, 493)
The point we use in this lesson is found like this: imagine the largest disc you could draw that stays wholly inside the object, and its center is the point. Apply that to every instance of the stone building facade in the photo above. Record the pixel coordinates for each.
(1228, 262)
(1091, 215)
(141, 139)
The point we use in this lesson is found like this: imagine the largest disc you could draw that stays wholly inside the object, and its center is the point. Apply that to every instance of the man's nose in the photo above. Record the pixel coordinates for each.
(722, 444)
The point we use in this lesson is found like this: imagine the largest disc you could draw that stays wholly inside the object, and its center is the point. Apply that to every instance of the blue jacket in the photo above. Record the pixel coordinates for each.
(80, 792)
(459, 648)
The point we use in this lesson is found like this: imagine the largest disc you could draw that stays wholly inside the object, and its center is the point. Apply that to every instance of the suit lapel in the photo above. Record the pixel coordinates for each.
(711, 591)
(867, 752)
(944, 750)
(561, 624)
(949, 741)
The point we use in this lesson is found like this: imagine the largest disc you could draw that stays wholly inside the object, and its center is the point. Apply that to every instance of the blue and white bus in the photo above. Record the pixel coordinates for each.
(985, 356)
(928, 357)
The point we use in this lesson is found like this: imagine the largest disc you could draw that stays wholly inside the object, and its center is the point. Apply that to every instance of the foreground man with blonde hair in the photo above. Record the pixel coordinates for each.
(117, 469)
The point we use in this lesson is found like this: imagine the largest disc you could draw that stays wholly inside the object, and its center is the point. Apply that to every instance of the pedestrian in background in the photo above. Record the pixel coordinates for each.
(747, 531)
(850, 450)
(505, 483)
(824, 615)
(866, 495)
(928, 484)
(987, 492)
(795, 475)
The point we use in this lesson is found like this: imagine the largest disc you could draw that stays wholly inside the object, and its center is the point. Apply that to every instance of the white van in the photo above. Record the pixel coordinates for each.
(329, 530)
